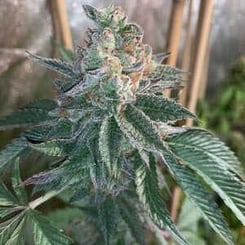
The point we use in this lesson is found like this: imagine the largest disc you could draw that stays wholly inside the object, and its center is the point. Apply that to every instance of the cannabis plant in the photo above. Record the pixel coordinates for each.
(108, 131)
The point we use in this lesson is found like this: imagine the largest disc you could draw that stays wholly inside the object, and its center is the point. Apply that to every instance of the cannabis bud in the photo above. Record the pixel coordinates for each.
(113, 65)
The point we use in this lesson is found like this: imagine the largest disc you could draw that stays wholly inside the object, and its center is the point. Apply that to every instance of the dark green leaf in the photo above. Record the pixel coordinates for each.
(130, 215)
(6, 198)
(73, 171)
(107, 218)
(13, 150)
(18, 185)
(7, 210)
(17, 237)
(7, 228)
(110, 140)
(200, 197)
(202, 140)
(151, 198)
(44, 104)
(50, 148)
(31, 114)
(162, 109)
(44, 232)
(62, 217)
(61, 129)
(64, 68)
(166, 73)
(98, 170)
(210, 160)
(188, 222)
(139, 129)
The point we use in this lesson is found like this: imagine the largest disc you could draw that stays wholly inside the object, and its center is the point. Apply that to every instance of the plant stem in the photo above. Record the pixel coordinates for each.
(40, 200)
(175, 203)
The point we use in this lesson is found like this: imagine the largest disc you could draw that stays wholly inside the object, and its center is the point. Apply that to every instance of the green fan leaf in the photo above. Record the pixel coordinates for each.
(107, 214)
(130, 215)
(139, 129)
(110, 139)
(17, 237)
(44, 232)
(210, 160)
(62, 67)
(166, 73)
(148, 87)
(204, 141)
(42, 104)
(6, 198)
(73, 171)
(7, 228)
(51, 148)
(61, 129)
(151, 198)
(34, 113)
(199, 196)
(18, 186)
(98, 170)
(13, 150)
(5, 211)
(162, 109)
(188, 222)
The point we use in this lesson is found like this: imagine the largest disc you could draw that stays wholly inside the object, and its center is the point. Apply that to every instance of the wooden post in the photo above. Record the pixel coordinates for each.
(204, 77)
(174, 32)
(202, 38)
(186, 55)
(60, 23)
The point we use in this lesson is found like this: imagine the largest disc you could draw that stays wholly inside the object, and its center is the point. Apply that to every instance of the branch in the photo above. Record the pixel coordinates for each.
(40, 200)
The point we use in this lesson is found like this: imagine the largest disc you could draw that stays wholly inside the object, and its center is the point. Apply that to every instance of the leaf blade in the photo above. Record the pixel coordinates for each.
(110, 138)
(11, 151)
(150, 196)
(209, 164)
(31, 114)
(139, 129)
(44, 232)
(199, 196)
(17, 184)
(6, 198)
(162, 109)
(62, 67)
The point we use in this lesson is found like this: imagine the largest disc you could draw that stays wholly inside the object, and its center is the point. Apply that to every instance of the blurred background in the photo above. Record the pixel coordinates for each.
(205, 38)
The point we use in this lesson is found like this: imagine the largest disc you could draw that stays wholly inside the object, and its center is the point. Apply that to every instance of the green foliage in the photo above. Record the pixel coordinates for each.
(109, 127)
(162, 109)
(110, 144)
(150, 196)
(193, 148)
(17, 215)
(197, 193)
(32, 114)
(61, 218)
(224, 115)
(188, 222)
(131, 217)
(17, 148)
(44, 233)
